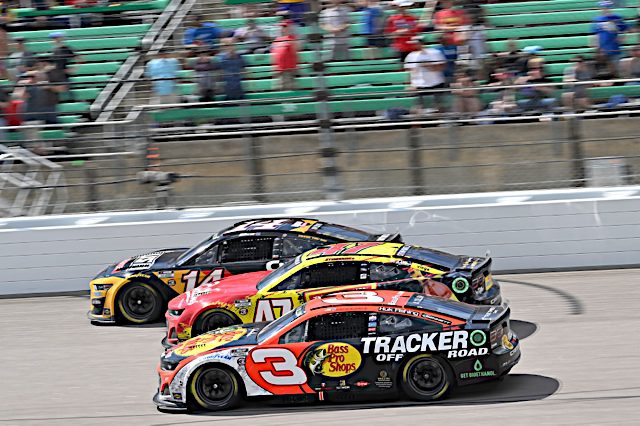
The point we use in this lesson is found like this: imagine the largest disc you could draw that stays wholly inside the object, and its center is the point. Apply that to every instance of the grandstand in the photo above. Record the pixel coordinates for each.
(105, 116)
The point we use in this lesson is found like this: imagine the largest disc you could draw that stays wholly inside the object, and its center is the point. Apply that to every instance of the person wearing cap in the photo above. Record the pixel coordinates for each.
(607, 29)
(335, 20)
(201, 33)
(163, 73)
(284, 56)
(453, 22)
(402, 27)
(426, 69)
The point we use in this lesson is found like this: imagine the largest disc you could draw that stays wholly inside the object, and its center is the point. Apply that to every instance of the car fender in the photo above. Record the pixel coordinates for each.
(147, 278)
(233, 357)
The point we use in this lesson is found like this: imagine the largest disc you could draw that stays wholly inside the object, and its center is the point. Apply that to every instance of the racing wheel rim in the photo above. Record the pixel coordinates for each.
(139, 302)
(214, 320)
(427, 377)
(214, 386)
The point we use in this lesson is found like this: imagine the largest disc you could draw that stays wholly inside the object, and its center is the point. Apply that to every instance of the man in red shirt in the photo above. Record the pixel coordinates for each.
(452, 22)
(401, 28)
(284, 56)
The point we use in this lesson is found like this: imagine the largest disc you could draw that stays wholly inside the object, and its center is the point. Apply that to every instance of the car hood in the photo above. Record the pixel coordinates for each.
(159, 259)
(222, 338)
(226, 290)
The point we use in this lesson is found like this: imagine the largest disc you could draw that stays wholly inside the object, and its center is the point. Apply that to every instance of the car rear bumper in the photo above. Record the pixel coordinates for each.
(491, 296)
(167, 405)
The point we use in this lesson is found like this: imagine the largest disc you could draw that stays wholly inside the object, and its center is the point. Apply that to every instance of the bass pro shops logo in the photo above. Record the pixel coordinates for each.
(333, 360)
(457, 344)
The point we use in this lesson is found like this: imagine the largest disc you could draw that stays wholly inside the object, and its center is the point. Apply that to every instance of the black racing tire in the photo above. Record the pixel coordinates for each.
(426, 378)
(214, 387)
(212, 319)
(139, 303)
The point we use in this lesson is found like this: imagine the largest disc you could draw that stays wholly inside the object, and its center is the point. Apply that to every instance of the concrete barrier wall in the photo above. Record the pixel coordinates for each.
(525, 230)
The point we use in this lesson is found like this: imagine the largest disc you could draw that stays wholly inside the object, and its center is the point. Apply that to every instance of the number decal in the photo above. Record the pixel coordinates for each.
(343, 249)
(191, 279)
(265, 309)
(278, 367)
(355, 297)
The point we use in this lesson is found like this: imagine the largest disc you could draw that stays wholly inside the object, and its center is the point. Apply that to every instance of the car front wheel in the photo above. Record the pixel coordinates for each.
(213, 319)
(215, 388)
(139, 303)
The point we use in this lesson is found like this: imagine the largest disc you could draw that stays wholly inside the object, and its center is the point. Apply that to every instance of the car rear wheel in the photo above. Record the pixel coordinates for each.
(139, 303)
(426, 378)
(215, 388)
(212, 319)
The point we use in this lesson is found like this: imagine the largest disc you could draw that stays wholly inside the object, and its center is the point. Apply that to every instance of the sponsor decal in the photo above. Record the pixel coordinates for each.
(243, 311)
(165, 274)
(477, 372)
(333, 360)
(171, 282)
(403, 250)
(177, 396)
(145, 276)
(455, 343)
(383, 381)
(121, 265)
(146, 260)
(460, 285)
(361, 384)
(506, 343)
(242, 303)
(207, 342)
(342, 385)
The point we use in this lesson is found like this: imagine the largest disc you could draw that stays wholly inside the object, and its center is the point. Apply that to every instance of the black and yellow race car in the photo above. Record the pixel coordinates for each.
(137, 289)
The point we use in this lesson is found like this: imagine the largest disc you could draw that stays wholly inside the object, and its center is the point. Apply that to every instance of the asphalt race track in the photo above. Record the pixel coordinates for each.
(580, 365)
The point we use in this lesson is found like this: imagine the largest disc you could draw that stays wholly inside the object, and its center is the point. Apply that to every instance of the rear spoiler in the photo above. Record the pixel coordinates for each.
(490, 314)
(390, 238)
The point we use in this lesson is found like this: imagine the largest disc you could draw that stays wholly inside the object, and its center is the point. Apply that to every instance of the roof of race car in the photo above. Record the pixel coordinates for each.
(393, 299)
(300, 226)
(383, 249)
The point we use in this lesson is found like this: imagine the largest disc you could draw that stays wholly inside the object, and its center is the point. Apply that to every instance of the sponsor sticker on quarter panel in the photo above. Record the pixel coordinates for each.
(206, 342)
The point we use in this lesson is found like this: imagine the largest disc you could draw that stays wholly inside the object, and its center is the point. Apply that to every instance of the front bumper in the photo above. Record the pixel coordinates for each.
(163, 403)
(100, 319)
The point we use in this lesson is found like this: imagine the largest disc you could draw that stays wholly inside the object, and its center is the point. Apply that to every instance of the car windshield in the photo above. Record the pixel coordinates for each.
(343, 233)
(277, 325)
(278, 273)
(197, 249)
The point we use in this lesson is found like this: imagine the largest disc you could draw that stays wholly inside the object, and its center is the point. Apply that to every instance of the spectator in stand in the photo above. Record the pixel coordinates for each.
(577, 96)
(77, 20)
(335, 21)
(478, 47)
(4, 112)
(201, 33)
(402, 27)
(450, 53)
(453, 21)
(630, 67)
(426, 68)
(528, 57)
(373, 24)
(254, 38)
(204, 68)
(284, 56)
(465, 97)
(602, 69)
(511, 58)
(536, 98)
(163, 72)
(505, 104)
(608, 28)
(21, 60)
(44, 86)
(62, 56)
(294, 10)
(232, 65)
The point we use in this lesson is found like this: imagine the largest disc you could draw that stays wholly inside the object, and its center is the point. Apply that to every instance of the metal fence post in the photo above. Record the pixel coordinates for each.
(577, 154)
(254, 164)
(415, 160)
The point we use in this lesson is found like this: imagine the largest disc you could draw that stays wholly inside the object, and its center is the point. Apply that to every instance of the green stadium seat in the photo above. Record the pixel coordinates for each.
(553, 17)
(130, 6)
(604, 93)
(86, 44)
(73, 108)
(80, 33)
(96, 68)
(545, 6)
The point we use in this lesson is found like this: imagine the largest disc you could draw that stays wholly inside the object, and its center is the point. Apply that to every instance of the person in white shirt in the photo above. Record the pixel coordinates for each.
(426, 67)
